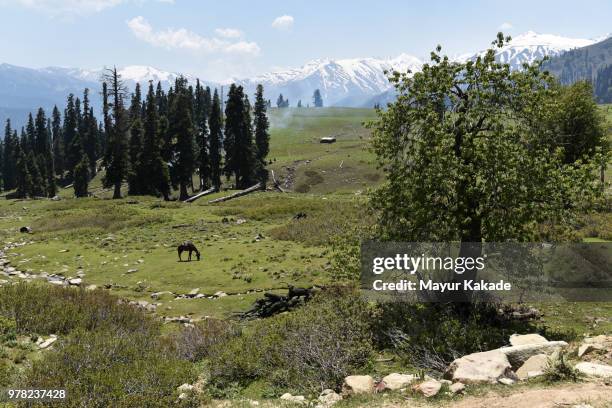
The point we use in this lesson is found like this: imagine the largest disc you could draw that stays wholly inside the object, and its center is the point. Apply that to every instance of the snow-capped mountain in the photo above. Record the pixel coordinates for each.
(345, 82)
(531, 46)
(131, 75)
(342, 82)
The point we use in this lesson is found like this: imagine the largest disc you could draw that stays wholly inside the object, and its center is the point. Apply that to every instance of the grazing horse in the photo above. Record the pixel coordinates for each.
(188, 246)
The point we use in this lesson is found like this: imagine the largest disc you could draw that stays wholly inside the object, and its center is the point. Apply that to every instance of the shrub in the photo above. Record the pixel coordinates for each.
(431, 335)
(47, 309)
(6, 373)
(559, 369)
(8, 329)
(107, 368)
(194, 343)
(310, 349)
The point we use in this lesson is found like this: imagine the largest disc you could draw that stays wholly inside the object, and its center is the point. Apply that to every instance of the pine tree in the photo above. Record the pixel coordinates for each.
(81, 177)
(9, 162)
(136, 104)
(89, 133)
(72, 140)
(182, 131)
(201, 118)
(239, 152)
(299, 104)
(216, 135)
(23, 177)
(58, 142)
(116, 157)
(262, 137)
(37, 186)
(158, 178)
(30, 136)
(48, 159)
(317, 100)
(137, 173)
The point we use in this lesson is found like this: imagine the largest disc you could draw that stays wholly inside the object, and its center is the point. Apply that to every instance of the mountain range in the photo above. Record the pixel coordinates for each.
(357, 82)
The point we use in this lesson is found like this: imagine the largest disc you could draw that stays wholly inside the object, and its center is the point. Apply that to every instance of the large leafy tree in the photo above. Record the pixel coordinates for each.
(466, 152)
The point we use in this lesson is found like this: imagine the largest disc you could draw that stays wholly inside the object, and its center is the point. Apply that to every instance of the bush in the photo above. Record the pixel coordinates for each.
(48, 309)
(194, 343)
(111, 369)
(432, 335)
(310, 349)
(559, 369)
(8, 329)
(6, 373)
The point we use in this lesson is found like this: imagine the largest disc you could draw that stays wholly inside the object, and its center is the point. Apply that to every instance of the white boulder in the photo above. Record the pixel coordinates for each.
(521, 339)
(595, 370)
(484, 367)
(395, 381)
(533, 367)
(358, 384)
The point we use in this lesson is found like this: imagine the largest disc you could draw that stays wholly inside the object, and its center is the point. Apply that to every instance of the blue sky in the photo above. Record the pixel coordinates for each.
(220, 39)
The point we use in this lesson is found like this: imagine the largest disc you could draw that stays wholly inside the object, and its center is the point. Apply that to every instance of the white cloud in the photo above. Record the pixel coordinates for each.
(283, 22)
(228, 32)
(71, 8)
(505, 26)
(187, 40)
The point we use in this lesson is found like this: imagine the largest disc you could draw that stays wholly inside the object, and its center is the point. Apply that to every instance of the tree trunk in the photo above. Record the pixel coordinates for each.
(117, 191)
(183, 191)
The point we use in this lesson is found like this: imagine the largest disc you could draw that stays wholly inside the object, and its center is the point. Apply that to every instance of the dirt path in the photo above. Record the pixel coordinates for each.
(564, 396)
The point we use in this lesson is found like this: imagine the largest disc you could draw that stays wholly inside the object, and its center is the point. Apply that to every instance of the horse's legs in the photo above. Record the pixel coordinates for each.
(190, 255)
(179, 254)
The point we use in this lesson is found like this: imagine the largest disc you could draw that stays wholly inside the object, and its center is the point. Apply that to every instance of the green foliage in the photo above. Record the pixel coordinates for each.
(216, 135)
(111, 368)
(310, 349)
(8, 329)
(559, 369)
(262, 136)
(195, 343)
(317, 100)
(467, 156)
(49, 309)
(431, 335)
(182, 134)
(238, 141)
(81, 177)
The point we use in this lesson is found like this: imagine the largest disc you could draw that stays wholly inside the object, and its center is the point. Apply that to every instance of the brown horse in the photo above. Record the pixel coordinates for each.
(187, 246)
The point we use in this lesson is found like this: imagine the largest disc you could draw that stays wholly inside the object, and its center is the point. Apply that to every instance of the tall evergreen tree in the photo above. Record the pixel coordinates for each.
(238, 143)
(137, 173)
(72, 140)
(58, 142)
(216, 136)
(48, 159)
(182, 131)
(23, 177)
(30, 135)
(81, 177)
(11, 153)
(158, 178)
(88, 132)
(317, 100)
(262, 136)
(116, 157)
(201, 118)
(37, 186)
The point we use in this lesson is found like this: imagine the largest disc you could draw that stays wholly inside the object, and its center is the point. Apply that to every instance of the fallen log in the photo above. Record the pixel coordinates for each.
(236, 195)
(276, 183)
(202, 194)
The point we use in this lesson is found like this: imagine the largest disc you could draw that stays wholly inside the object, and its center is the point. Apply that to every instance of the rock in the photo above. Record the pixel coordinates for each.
(457, 388)
(506, 381)
(595, 370)
(585, 349)
(75, 281)
(46, 343)
(220, 294)
(533, 367)
(91, 287)
(57, 282)
(185, 388)
(240, 221)
(582, 406)
(132, 270)
(358, 384)
(521, 339)
(25, 230)
(429, 388)
(395, 381)
(484, 367)
(328, 398)
(517, 355)
(590, 344)
(194, 292)
(298, 399)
